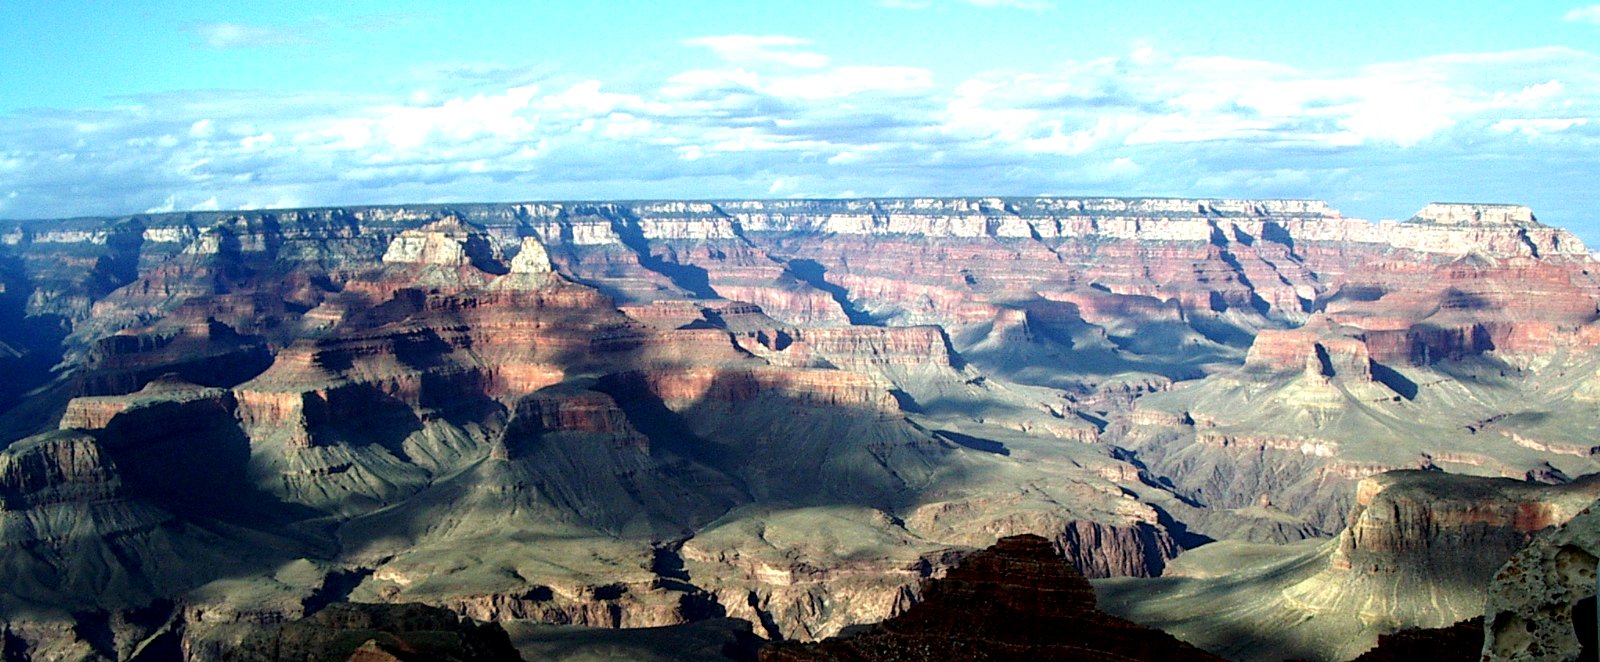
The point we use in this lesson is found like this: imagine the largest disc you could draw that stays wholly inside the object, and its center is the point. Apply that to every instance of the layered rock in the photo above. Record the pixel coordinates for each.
(205, 351)
(1447, 213)
(1367, 388)
(440, 415)
(55, 469)
(1130, 542)
(1536, 603)
(1308, 349)
(86, 535)
(447, 243)
(1013, 601)
(1418, 552)
(373, 633)
(724, 387)
(809, 573)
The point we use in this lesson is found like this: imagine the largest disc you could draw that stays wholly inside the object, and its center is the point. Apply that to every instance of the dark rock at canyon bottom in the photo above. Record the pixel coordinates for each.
(1460, 642)
(1016, 600)
(374, 632)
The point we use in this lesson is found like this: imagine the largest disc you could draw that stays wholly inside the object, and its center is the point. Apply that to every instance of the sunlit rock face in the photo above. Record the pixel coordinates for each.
(788, 411)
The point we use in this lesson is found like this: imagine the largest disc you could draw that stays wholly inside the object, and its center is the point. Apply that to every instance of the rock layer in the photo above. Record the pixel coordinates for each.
(1014, 601)
(1418, 552)
(442, 403)
(1535, 605)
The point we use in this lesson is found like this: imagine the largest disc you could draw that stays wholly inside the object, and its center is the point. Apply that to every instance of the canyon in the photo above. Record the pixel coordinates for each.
(799, 414)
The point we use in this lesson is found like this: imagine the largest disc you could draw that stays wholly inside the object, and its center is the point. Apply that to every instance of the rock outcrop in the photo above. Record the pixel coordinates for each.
(1418, 552)
(1014, 601)
(1457, 643)
(377, 633)
(1543, 598)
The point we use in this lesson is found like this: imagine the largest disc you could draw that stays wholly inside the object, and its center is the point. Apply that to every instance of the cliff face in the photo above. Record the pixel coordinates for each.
(1449, 529)
(1400, 368)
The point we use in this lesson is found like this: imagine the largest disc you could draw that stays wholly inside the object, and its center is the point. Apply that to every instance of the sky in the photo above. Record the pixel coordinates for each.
(112, 108)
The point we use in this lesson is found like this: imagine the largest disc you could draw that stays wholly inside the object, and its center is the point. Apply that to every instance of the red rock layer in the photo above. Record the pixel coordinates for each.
(1468, 307)
(1310, 348)
(1450, 527)
(813, 388)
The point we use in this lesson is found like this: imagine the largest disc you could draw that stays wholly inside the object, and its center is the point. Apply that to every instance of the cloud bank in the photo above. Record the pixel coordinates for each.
(774, 116)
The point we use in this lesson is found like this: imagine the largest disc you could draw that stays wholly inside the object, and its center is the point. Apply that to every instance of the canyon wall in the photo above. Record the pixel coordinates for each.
(440, 403)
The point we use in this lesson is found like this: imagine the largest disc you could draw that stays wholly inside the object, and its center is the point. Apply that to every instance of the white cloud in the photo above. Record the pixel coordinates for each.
(232, 34)
(851, 81)
(1149, 122)
(1589, 14)
(1028, 5)
(243, 35)
(777, 49)
(1534, 128)
(257, 141)
(168, 205)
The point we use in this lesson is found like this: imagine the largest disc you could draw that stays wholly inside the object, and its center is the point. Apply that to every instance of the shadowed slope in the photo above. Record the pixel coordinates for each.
(1016, 600)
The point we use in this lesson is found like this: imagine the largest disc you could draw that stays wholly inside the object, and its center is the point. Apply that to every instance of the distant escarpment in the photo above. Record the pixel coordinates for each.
(793, 412)
(1480, 368)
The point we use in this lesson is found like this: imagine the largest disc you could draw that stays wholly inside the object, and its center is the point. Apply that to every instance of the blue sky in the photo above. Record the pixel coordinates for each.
(1377, 107)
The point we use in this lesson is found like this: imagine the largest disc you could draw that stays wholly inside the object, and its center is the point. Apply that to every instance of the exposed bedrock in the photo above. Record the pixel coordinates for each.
(1456, 643)
(1016, 600)
(1138, 546)
(1417, 522)
(375, 633)
(689, 387)
(1235, 471)
(1545, 595)
(87, 538)
(205, 352)
(1418, 552)
(1313, 409)
(512, 409)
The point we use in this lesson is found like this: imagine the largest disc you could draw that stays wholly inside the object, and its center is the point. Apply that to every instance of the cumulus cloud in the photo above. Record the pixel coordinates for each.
(774, 117)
